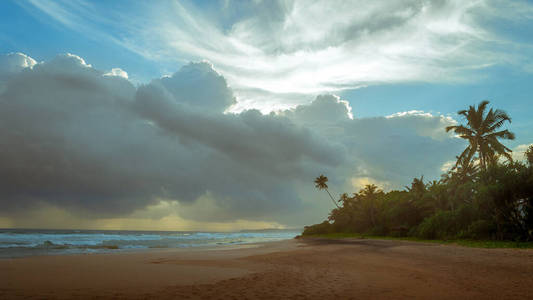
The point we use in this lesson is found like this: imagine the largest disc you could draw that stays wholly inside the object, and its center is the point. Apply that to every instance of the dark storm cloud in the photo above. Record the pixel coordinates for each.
(76, 138)
(249, 138)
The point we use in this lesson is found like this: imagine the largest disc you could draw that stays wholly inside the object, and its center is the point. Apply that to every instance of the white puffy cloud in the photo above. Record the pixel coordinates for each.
(117, 72)
(433, 123)
(519, 152)
(13, 63)
(324, 109)
(199, 85)
(447, 166)
(74, 137)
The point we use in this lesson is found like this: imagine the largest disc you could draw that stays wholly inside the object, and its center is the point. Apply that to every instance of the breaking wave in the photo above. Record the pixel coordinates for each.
(23, 242)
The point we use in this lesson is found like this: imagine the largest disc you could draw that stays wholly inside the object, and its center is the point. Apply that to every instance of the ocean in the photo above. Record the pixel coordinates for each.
(30, 242)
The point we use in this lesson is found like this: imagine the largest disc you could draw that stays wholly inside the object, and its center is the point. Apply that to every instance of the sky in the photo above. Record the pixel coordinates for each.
(218, 115)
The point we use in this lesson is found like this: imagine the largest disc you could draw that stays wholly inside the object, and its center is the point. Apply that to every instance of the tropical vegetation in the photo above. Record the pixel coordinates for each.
(485, 196)
(482, 135)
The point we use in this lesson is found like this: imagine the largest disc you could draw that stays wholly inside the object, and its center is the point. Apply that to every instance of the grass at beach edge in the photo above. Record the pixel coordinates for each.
(489, 244)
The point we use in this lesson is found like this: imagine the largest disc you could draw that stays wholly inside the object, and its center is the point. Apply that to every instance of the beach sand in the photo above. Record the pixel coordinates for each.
(292, 269)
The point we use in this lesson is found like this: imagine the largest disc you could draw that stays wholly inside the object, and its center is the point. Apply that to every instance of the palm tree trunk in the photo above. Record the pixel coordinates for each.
(480, 155)
(332, 199)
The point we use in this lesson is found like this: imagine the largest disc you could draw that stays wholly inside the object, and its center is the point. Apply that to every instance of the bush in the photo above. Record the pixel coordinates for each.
(480, 229)
(464, 216)
(322, 228)
(378, 230)
(439, 226)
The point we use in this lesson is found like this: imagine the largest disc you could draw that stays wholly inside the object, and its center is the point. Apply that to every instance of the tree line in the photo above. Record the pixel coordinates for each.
(485, 195)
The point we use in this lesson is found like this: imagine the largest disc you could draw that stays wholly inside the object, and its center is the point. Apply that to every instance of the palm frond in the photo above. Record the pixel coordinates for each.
(504, 134)
(481, 135)
(481, 106)
(460, 129)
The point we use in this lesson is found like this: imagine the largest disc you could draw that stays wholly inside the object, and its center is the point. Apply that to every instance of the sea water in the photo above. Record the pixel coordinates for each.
(28, 242)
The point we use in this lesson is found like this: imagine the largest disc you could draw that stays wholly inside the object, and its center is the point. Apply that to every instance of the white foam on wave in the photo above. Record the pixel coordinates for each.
(76, 241)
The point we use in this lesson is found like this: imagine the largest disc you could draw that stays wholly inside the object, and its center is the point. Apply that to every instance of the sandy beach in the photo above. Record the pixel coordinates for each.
(291, 269)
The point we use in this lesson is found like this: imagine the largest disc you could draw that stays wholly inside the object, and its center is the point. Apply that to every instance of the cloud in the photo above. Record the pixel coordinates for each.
(167, 219)
(360, 182)
(76, 139)
(447, 166)
(279, 47)
(519, 152)
(117, 72)
(271, 48)
(199, 85)
(388, 149)
(13, 63)
(324, 109)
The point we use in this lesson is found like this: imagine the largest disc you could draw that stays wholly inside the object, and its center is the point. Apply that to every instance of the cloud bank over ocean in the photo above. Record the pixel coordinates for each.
(91, 142)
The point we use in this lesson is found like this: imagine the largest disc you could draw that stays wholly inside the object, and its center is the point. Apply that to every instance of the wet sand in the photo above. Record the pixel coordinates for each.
(292, 269)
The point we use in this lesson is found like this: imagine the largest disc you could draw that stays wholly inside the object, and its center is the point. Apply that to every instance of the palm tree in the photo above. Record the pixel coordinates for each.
(529, 155)
(321, 184)
(466, 169)
(480, 131)
(369, 194)
(344, 199)
(417, 188)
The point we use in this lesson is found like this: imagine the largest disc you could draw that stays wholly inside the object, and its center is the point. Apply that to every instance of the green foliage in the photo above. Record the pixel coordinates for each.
(322, 228)
(480, 230)
(480, 198)
(496, 203)
(447, 224)
(481, 133)
(438, 226)
(529, 155)
(460, 242)
(506, 195)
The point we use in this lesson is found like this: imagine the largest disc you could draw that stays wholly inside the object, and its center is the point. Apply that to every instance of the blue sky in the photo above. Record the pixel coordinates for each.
(505, 89)
(27, 29)
(418, 61)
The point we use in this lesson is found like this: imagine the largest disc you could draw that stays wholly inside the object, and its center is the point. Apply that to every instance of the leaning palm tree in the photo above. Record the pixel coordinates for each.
(321, 184)
(482, 135)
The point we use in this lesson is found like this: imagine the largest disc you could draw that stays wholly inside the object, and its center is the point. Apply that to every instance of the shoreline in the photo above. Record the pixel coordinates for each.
(127, 251)
(295, 268)
(26, 243)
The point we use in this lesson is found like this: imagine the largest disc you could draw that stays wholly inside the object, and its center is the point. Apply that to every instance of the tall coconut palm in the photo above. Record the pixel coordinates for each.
(321, 184)
(369, 196)
(482, 135)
